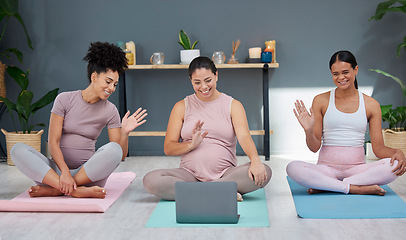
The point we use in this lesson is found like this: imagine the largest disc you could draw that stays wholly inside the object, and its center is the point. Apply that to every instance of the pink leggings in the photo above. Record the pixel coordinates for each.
(161, 182)
(338, 168)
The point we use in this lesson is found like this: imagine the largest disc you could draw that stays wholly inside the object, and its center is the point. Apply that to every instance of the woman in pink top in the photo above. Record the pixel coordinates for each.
(77, 119)
(208, 123)
(336, 125)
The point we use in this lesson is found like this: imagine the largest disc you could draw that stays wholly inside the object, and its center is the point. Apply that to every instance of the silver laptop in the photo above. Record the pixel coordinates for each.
(206, 202)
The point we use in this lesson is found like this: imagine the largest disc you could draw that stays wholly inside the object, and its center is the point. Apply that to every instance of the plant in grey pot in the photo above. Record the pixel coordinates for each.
(189, 53)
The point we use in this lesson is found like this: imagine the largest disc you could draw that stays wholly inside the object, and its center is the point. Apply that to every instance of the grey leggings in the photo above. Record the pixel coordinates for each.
(98, 168)
(161, 182)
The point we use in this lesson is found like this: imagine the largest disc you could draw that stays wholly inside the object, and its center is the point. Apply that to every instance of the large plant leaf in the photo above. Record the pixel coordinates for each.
(194, 45)
(19, 18)
(392, 118)
(402, 85)
(185, 47)
(386, 112)
(18, 54)
(385, 7)
(19, 76)
(24, 103)
(3, 14)
(10, 105)
(402, 116)
(403, 44)
(9, 6)
(385, 109)
(184, 39)
(45, 100)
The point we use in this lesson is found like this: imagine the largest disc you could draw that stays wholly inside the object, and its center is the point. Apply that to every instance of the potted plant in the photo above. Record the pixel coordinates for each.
(189, 53)
(395, 135)
(25, 110)
(8, 9)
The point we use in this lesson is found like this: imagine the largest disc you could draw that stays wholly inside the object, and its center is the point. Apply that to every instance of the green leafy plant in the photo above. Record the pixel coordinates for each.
(24, 106)
(396, 117)
(391, 6)
(9, 9)
(185, 42)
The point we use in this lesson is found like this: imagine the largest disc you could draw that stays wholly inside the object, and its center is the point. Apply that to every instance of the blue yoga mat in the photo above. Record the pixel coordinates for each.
(331, 205)
(253, 213)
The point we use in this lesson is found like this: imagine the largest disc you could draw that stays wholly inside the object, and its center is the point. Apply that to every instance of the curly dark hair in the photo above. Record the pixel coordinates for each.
(102, 57)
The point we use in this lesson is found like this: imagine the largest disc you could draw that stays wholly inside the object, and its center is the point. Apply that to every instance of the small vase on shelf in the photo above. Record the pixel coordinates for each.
(233, 60)
(235, 45)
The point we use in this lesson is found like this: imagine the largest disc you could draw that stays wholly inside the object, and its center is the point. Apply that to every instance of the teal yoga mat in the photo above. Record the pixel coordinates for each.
(331, 205)
(253, 213)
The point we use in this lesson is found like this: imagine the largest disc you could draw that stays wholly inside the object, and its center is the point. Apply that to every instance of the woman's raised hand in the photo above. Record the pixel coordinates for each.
(197, 135)
(305, 118)
(129, 123)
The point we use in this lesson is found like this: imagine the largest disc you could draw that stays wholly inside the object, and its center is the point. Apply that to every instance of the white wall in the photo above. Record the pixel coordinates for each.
(288, 137)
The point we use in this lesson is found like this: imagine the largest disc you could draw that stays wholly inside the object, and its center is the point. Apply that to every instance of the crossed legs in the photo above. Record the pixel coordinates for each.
(161, 183)
(90, 178)
(358, 179)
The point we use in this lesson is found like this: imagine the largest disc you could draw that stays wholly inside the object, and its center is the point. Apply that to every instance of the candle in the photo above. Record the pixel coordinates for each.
(255, 52)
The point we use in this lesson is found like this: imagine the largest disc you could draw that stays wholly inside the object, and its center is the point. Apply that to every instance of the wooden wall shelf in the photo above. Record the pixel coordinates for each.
(220, 66)
(265, 86)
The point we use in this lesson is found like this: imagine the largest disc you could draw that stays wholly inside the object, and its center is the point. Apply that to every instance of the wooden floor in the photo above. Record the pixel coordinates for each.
(127, 217)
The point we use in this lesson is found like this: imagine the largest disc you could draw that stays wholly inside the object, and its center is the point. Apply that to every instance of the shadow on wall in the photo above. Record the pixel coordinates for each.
(384, 40)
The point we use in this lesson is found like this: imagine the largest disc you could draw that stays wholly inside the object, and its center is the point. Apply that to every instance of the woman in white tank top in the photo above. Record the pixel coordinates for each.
(336, 125)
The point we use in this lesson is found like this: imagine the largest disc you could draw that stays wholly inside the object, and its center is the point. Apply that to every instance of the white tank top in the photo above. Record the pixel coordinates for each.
(344, 129)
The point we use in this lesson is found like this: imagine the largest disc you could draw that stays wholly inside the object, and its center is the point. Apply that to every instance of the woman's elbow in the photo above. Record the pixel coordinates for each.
(167, 150)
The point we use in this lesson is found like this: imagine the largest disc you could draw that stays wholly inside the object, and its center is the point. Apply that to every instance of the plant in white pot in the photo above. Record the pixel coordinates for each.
(189, 53)
(25, 110)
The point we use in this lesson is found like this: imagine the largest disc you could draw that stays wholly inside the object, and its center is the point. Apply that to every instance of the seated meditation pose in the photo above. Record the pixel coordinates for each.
(77, 119)
(336, 125)
(203, 129)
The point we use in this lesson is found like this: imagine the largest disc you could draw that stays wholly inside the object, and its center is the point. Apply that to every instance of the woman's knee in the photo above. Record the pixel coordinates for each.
(388, 164)
(17, 152)
(149, 182)
(268, 173)
(290, 168)
(114, 152)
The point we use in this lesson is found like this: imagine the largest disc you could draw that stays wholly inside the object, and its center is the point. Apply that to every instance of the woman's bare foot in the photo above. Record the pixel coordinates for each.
(367, 190)
(43, 191)
(89, 192)
(315, 191)
(239, 197)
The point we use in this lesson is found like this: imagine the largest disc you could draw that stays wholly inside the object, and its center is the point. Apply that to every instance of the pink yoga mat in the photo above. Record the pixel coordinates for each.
(115, 186)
